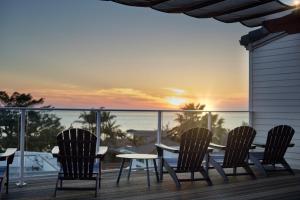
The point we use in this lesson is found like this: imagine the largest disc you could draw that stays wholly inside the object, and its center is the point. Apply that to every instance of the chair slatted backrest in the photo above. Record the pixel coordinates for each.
(193, 147)
(238, 144)
(77, 150)
(278, 140)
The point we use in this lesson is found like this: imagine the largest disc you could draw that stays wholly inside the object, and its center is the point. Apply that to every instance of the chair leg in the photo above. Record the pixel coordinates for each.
(172, 174)
(160, 153)
(287, 167)
(234, 170)
(207, 163)
(206, 176)
(97, 186)
(56, 185)
(161, 169)
(155, 168)
(249, 171)
(192, 176)
(7, 178)
(258, 164)
(219, 169)
(100, 173)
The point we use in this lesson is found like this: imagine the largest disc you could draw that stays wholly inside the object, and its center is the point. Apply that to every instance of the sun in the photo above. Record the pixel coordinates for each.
(176, 101)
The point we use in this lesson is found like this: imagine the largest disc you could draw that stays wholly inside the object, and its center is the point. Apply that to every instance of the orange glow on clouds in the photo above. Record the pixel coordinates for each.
(129, 98)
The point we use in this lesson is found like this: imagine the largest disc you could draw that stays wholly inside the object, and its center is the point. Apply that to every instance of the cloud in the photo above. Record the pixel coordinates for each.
(176, 90)
(73, 96)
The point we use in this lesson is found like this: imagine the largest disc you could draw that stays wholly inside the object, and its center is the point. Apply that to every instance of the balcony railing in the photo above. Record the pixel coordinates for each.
(33, 131)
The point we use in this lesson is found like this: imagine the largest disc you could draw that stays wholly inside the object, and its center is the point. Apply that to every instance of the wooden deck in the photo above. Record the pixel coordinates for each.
(278, 186)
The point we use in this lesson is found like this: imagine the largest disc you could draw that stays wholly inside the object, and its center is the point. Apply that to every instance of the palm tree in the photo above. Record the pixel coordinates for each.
(193, 116)
(109, 128)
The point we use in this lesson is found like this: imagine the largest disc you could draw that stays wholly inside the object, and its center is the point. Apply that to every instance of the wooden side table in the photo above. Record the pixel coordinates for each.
(131, 157)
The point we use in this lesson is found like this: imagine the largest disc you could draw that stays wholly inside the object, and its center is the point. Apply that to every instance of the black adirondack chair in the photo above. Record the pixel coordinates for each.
(235, 153)
(77, 157)
(7, 156)
(193, 148)
(278, 141)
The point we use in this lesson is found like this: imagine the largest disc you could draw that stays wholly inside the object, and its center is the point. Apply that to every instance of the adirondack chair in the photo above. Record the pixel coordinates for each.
(77, 157)
(7, 156)
(193, 149)
(235, 153)
(278, 141)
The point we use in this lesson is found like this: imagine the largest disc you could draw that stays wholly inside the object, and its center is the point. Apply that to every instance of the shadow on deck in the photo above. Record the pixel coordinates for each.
(278, 186)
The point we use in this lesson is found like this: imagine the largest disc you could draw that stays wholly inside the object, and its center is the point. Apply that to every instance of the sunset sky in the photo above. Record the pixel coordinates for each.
(89, 53)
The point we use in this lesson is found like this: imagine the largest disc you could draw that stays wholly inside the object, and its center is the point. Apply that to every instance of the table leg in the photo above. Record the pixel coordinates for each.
(129, 171)
(148, 178)
(120, 172)
(155, 168)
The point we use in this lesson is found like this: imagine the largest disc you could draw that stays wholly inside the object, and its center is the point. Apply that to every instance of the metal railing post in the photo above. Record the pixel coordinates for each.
(98, 128)
(250, 114)
(158, 139)
(209, 124)
(21, 182)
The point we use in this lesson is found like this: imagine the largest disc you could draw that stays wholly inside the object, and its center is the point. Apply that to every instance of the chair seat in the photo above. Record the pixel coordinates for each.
(217, 156)
(171, 161)
(258, 155)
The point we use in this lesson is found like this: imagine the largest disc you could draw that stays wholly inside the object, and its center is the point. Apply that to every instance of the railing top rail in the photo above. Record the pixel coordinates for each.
(115, 110)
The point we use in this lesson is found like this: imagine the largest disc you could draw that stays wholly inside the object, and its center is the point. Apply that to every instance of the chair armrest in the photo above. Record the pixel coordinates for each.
(8, 155)
(55, 151)
(264, 145)
(102, 151)
(9, 152)
(217, 146)
(167, 148)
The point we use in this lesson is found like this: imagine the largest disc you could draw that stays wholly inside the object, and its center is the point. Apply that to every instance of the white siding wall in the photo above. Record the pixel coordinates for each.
(276, 89)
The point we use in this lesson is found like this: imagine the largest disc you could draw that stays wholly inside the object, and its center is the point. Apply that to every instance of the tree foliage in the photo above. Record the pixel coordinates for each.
(41, 126)
(195, 117)
(110, 131)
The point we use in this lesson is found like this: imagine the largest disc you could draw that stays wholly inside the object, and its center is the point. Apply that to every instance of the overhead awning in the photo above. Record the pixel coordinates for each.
(251, 13)
(289, 24)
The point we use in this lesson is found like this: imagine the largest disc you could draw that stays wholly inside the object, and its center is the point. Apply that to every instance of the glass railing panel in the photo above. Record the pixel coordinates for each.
(175, 123)
(42, 128)
(223, 122)
(128, 132)
(9, 137)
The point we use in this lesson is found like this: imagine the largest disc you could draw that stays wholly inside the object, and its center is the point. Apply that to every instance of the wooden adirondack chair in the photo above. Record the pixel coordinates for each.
(77, 155)
(7, 156)
(235, 153)
(278, 141)
(193, 148)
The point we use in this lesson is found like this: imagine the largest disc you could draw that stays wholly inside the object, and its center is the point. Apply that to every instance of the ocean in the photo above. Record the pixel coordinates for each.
(149, 120)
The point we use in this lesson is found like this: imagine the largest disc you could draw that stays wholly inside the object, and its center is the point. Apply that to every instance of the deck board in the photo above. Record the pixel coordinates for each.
(278, 186)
